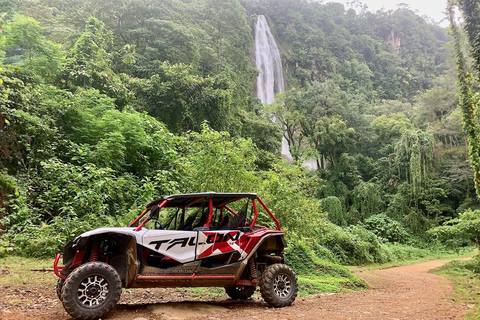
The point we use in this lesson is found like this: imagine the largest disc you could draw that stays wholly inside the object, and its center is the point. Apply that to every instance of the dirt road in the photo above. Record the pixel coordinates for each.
(408, 292)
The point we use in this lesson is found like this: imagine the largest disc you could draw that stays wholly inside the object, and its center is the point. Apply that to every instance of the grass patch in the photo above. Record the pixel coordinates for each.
(18, 271)
(466, 284)
(202, 293)
(328, 277)
(316, 275)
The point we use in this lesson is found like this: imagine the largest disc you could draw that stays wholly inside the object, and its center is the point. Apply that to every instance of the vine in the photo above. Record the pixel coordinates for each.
(468, 99)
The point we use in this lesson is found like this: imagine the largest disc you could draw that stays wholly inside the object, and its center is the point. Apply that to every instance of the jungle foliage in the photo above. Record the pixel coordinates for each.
(466, 227)
(106, 105)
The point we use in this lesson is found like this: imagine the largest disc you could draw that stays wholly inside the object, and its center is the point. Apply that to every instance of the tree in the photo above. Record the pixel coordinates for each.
(28, 133)
(213, 160)
(413, 158)
(333, 207)
(162, 40)
(332, 137)
(303, 114)
(367, 200)
(433, 105)
(466, 228)
(183, 100)
(123, 141)
(285, 112)
(89, 63)
(389, 130)
(23, 45)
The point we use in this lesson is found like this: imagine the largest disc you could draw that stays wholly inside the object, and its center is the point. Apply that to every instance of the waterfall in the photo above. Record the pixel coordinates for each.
(268, 62)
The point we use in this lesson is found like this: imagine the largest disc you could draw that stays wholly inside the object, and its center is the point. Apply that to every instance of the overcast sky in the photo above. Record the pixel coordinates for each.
(432, 8)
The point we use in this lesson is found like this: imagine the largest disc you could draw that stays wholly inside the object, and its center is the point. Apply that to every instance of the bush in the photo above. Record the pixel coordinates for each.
(386, 228)
(63, 200)
(402, 252)
(461, 231)
(7, 188)
(353, 245)
(48, 239)
(318, 273)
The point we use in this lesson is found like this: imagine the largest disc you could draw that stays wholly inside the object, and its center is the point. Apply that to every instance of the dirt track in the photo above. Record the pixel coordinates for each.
(408, 292)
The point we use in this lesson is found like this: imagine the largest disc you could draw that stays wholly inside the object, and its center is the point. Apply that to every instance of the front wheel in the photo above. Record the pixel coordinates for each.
(240, 293)
(278, 285)
(59, 288)
(91, 290)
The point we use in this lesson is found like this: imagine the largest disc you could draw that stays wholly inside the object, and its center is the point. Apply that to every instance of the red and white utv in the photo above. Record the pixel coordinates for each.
(195, 240)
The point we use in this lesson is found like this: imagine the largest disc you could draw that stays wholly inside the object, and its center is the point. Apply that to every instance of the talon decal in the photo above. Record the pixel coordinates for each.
(207, 244)
(173, 242)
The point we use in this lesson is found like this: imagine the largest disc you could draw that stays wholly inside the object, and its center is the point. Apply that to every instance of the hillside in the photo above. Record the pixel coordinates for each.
(107, 105)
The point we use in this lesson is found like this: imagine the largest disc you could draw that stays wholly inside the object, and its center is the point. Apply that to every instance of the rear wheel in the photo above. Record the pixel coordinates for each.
(91, 290)
(279, 285)
(240, 293)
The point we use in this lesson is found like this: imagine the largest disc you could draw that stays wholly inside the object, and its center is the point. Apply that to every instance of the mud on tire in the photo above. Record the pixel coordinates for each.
(59, 287)
(91, 290)
(278, 285)
(240, 293)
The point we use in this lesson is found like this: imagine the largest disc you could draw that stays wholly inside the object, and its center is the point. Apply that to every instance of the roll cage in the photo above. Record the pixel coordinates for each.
(212, 208)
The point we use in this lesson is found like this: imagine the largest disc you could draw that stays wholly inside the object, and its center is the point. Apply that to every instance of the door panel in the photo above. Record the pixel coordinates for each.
(215, 243)
(178, 245)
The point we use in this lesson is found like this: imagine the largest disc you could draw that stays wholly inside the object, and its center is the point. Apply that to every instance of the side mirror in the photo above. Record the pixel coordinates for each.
(154, 213)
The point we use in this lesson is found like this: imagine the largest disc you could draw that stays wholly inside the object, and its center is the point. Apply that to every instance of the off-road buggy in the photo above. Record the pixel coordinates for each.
(195, 240)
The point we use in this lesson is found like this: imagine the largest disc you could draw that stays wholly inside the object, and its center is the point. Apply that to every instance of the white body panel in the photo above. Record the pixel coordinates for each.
(178, 245)
(183, 246)
(121, 230)
(187, 246)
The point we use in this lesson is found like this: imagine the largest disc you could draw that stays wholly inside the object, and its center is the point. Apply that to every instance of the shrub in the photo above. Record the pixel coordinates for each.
(48, 239)
(352, 245)
(402, 252)
(460, 231)
(7, 187)
(315, 273)
(386, 228)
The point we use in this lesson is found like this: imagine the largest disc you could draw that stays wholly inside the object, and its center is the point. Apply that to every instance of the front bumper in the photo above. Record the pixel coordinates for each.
(57, 269)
